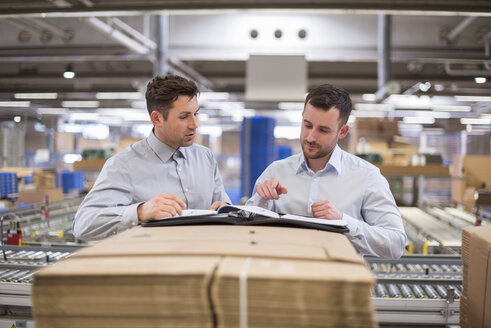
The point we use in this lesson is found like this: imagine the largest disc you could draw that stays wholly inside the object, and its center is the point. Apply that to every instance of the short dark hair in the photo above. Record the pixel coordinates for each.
(326, 96)
(163, 91)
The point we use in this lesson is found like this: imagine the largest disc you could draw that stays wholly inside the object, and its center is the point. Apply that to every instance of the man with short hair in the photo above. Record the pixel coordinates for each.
(326, 182)
(158, 176)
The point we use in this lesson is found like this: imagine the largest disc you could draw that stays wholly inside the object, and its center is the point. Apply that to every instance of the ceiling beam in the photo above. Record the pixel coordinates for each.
(387, 6)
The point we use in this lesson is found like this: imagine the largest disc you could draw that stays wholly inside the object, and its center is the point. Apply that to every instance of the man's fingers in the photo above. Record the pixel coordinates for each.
(171, 203)
(283, 190)
(272, 191)
(216, 205)
(174, 198)
(264, 191)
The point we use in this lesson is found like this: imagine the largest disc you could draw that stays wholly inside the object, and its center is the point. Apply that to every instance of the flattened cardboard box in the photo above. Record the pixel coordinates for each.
(190, 276)
(475, 305)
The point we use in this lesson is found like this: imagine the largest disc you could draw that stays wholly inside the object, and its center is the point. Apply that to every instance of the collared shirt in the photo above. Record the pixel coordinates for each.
(354, 186)
(140, 172)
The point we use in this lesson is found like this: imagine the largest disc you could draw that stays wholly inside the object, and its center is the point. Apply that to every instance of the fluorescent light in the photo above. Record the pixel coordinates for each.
(45, 95)
(472, 98)
(291, 105)
(68, 75)
(15, 103)
(118, 95)
(418, 120)
(203, 96)
(17, 119)
(52, 111)
(480, 79)
(451, 108)
(84, 116)
(369, 97)
(476, 121)
(81, 103)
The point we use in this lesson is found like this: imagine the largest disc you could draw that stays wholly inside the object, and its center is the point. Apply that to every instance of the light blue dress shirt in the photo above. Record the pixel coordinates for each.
(354, 186)
(141, 171)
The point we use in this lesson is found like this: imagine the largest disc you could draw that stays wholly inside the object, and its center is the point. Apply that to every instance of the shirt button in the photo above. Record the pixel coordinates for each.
(315, 180)
(179, 169)
(186, 189)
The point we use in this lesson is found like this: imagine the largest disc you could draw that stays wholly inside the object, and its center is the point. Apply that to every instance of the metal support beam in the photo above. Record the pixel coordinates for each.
(454, 33)
(162, 37)
(118, 36)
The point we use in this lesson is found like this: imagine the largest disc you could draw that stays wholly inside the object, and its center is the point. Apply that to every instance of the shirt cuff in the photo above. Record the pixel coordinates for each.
(130, 215)
(352, 223)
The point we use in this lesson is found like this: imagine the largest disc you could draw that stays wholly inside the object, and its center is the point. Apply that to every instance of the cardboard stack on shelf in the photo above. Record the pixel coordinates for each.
(45, 183)
(475, 301)
(469, 173)
(208, 276)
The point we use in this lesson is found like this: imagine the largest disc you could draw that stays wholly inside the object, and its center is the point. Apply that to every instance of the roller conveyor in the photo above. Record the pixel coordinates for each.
(417, 290)
(421, 290)
(432, 228)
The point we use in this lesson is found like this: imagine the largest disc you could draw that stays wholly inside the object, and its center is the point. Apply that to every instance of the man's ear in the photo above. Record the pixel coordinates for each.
(343, 131)
(156, 117)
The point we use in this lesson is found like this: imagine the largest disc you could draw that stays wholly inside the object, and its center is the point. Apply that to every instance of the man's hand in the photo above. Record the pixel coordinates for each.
(271, 189)
(160, 206)
(326, 210)
(216, 205)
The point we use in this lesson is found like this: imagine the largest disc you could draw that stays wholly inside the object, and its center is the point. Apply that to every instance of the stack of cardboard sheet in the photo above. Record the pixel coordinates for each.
(124, 292)
(475, 303)
(291, 293)
(204, 276)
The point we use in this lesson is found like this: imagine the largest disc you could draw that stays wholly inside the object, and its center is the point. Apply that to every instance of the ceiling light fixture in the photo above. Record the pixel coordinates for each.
(44, 95)
(480, 79)
(80, 103)
(69, 73)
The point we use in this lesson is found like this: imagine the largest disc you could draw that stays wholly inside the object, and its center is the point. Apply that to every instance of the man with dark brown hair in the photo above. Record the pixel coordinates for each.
(323, 181)
(156, 177)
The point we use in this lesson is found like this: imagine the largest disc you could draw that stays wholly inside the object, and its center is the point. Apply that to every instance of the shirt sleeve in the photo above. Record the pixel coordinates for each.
(381, 233)
(257, 200)
(219, 193)
(107, 209)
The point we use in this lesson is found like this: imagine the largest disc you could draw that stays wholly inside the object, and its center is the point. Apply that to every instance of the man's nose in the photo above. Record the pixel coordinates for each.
(312, 136)
(193, 123)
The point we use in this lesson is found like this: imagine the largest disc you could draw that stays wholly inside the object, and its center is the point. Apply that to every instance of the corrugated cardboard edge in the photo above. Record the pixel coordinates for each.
(476, 253)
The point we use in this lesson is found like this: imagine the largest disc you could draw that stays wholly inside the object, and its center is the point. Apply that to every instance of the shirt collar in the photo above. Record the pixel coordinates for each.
(334, 162)
(163, 151)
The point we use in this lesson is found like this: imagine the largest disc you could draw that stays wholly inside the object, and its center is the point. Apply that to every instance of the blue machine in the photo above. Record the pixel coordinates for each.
(257, 150)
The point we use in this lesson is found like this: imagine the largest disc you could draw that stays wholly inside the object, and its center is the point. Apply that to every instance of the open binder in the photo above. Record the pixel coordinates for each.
(248, 215)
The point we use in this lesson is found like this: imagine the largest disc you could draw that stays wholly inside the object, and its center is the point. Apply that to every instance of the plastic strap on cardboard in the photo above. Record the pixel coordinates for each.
(243, 293)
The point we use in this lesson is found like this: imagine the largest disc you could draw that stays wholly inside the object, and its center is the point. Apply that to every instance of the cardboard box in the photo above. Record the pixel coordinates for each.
(200, 276)
(89, 164)
(475, 168)
(44, 179)
(475, 303)
(38, 195)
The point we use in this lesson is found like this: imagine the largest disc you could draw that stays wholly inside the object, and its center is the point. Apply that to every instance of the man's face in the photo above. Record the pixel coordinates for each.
(180, 127)
(320, 131)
